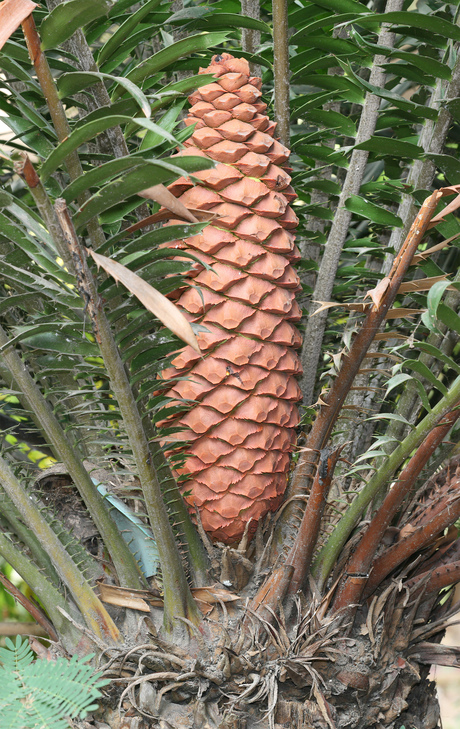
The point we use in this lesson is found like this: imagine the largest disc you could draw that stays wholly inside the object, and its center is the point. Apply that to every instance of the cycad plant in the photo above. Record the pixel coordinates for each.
(230, 555)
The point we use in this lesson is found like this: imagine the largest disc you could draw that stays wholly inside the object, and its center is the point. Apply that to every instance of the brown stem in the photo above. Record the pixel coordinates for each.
(58, 115)
(272, 592)
(414, 542)
(46, 81)
(335, 399)
(301, 553)
(349, 591)
(330, 409)
(444, 576)
(33, 610)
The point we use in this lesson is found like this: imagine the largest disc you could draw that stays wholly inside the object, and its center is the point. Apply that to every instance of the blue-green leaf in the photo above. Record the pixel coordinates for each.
(135, 533)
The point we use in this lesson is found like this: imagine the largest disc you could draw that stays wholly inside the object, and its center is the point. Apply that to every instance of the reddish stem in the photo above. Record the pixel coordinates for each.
(26, 170)
(37, 614)
(335, 399)
(45, 78)
(349, 591)
(301, 553)
(271, 593)
(444, 576)
(414, 542)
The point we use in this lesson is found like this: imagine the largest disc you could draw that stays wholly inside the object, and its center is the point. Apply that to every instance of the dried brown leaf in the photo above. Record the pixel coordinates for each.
(421, 284)
(388, 335)
(376, 355)
(352, 306)
(402, 312)
(213, 595)
(161, 195)
(323, 706)
(419, 257)
(450, 208)
(12, 13)
(159, 305)
(123, 597)
(435, 654)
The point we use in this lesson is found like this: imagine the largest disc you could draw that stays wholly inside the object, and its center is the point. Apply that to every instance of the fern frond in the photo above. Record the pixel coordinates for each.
(42, 695)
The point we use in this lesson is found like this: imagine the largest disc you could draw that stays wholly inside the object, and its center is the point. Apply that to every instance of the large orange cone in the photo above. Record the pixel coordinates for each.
(241, 428)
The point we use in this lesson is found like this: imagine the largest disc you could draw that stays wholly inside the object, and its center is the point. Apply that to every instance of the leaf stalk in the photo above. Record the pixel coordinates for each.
(178, 600)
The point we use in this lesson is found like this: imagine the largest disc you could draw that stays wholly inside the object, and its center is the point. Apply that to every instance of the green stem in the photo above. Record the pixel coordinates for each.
(178, 600)
(45, 207)
(48, 595)
(96, 616)
(11, 517)
(124, 562)
(331, 550)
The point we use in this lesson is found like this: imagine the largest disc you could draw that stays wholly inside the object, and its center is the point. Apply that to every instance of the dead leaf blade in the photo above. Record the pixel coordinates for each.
(156, 303)
(12, 13)
(161, 195)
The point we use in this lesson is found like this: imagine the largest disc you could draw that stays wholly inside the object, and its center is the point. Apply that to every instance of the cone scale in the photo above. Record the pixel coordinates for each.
(241, 428)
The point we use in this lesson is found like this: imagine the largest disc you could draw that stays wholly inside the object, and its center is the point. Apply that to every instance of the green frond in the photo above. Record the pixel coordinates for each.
(40, 694)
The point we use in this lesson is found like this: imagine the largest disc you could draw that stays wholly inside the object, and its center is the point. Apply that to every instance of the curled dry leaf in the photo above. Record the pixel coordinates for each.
(123, 597)
(155, 302)
(450, 208)
(142, 600)
(12, 13)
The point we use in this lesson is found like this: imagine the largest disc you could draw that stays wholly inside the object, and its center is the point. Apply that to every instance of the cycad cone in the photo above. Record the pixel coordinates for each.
(241, 429)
